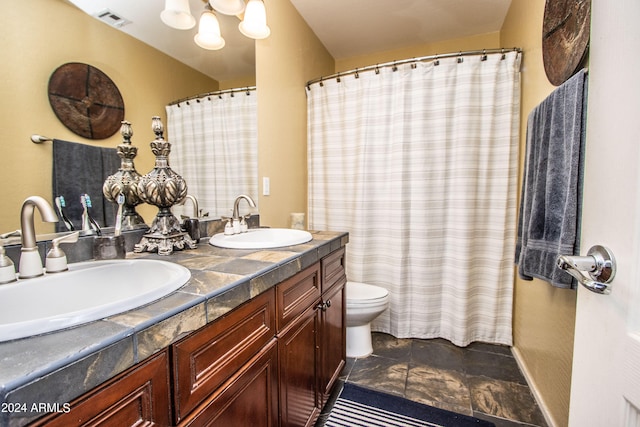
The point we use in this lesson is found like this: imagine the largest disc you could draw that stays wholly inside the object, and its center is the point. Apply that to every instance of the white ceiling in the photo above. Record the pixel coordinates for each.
(346, 27)
(235, 59)
(356, 27)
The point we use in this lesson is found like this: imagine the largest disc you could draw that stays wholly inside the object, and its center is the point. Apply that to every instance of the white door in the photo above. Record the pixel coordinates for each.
(605, 389)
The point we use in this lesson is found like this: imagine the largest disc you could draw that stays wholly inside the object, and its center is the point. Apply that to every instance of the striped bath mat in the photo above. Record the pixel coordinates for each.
(361, 407)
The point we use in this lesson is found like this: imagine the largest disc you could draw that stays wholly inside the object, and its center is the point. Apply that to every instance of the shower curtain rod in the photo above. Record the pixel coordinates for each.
(376, 67)
(216, 93)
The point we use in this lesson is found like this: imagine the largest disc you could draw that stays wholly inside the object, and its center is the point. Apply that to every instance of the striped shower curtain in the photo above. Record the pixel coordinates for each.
(214, 146)
(419, 164)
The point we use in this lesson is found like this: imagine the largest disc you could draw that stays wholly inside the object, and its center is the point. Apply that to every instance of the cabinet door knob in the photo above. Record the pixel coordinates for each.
(323, 305)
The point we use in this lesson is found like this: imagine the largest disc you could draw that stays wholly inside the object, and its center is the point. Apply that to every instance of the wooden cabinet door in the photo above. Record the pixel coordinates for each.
(249, 398)
(332, 338)
(137, 397)
(298, 361)
(207, 358)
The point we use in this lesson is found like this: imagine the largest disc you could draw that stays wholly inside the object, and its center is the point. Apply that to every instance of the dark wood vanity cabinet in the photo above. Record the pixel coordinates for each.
(270, 362)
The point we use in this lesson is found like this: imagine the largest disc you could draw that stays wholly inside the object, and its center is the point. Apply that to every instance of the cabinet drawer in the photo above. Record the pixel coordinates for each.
(207, 358)
(296, 294)
(138, 396)
(332, 269)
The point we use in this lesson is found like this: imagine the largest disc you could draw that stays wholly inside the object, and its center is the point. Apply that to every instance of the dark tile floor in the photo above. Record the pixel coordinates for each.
(481, 380)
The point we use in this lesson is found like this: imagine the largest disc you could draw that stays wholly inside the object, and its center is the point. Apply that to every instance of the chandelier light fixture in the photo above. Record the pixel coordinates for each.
(177, 14)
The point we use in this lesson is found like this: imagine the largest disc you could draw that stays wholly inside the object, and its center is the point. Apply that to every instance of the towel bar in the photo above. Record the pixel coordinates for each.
(39, 139)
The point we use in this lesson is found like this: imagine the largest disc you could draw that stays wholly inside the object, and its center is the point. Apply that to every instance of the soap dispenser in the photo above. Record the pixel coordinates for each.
(7, 269)
(56, 259)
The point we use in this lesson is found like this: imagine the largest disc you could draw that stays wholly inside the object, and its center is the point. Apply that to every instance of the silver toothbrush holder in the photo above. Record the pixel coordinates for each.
(109, 247)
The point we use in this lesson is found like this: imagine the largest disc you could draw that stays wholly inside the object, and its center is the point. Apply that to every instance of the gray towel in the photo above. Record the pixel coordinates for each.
(551, 199)
(78, 169)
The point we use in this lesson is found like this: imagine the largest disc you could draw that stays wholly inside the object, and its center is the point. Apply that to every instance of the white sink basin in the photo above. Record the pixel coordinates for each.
(261, 238)
(88, 291)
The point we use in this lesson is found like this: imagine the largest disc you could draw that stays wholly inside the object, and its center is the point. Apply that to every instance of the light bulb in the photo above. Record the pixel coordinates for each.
(177, 14)
(254, 24)
(208, 36)
(228, 7)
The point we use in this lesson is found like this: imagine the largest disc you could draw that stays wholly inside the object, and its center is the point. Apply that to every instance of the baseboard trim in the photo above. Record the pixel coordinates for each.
(534, 390)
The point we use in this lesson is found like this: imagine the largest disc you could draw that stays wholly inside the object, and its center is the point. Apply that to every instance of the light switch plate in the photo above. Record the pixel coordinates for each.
(266, 186)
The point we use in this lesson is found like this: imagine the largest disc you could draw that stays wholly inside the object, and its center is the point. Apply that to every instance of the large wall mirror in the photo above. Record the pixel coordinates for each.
(231, 65)
(33, 51)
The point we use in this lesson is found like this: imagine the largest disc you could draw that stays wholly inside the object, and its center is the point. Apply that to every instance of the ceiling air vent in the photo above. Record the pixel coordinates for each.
(112, 18)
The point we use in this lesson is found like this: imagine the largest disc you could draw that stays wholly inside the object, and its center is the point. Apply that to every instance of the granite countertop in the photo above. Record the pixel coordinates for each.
(55, 368)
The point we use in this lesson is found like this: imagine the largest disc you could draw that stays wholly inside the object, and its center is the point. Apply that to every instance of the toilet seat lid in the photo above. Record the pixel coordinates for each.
(365, 292)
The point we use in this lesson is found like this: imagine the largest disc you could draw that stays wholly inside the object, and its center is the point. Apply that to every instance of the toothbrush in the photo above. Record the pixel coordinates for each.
(94, 224)
(88, 222)
(86, 226)
(118, 224)
(60, 203)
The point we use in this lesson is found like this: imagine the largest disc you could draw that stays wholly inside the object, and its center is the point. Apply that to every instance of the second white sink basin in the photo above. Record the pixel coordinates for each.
(88, 291)
(261, 238)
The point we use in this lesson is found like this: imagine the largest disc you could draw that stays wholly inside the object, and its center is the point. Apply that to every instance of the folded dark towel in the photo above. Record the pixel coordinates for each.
(78, 169)
(551, 198)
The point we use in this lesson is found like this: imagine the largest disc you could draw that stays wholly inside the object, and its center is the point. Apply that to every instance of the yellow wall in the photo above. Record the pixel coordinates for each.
(236, 83)
(544, 316)
(285, 61)
(37, 37)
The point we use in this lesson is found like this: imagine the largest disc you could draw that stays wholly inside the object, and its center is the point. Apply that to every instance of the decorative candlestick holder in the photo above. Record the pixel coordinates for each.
(162, 187)
(125, 181)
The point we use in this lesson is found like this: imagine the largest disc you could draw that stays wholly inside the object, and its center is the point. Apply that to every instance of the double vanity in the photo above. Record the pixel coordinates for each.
(254, 337)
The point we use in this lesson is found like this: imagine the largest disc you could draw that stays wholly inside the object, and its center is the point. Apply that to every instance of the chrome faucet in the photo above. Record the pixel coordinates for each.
(236, 215)
(30, 262)
(195, 213)
(237, 224)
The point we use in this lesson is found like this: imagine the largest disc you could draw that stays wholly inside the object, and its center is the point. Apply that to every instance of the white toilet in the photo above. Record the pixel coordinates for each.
(364, 303)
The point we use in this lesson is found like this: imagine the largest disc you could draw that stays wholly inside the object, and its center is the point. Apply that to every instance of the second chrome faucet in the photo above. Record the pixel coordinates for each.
(237, 224)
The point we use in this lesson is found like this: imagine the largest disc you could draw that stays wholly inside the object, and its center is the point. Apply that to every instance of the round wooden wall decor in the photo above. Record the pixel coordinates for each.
(565, 37)
(85, 100)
